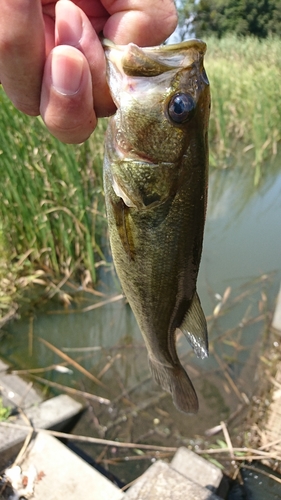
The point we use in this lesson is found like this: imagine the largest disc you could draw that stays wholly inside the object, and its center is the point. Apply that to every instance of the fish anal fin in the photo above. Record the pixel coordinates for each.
(175, 380)
(194, 327)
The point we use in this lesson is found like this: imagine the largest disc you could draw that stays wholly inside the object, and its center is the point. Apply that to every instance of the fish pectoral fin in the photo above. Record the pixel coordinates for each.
(121, 194)
(175, 380)
(194, 327)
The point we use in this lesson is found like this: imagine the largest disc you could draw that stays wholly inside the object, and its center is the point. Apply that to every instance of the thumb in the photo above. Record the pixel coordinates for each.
(66, 98)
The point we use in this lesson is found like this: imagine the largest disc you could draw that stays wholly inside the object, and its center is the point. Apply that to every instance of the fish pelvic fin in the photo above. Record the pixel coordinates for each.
(194, 327)
(175, 380)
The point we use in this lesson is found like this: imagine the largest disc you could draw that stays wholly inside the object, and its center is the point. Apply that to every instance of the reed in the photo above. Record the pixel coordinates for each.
(246, 105)
(51, 198)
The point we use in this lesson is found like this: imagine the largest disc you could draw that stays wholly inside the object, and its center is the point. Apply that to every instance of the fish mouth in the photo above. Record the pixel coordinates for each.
(132, 60)
(195, 43)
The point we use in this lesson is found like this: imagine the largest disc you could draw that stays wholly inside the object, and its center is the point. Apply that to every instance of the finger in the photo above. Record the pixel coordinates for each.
(22, 52)
(74, 28)
(143, 22)
(67, 101)
(49, 34)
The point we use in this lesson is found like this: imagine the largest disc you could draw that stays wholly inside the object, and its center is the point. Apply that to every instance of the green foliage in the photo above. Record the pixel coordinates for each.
(51, 198)
(4, 411)
(260, 18)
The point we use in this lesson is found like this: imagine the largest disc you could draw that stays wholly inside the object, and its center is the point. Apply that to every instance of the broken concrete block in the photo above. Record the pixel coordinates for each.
(55, 413)
(62, 474)
(15, 390)
(162, 482)
(197, 469)
(276, 322)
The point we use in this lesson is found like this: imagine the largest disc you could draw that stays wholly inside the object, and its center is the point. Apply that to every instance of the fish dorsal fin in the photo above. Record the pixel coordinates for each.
(194, 327)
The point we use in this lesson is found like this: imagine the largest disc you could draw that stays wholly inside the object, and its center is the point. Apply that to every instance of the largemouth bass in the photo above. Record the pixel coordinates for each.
(155, 181)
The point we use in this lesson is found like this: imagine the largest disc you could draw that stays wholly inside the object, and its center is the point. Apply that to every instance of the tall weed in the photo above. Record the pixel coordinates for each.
(245, 78)
(51, 198)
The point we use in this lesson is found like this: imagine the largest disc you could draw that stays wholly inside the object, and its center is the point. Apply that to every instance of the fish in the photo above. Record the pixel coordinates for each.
(155, 178)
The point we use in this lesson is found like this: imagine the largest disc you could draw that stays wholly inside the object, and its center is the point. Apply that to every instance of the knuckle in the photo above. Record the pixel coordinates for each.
(27, 108)
(70, 129)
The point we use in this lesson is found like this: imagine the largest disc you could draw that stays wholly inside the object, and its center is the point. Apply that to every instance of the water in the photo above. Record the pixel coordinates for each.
(257, 484)
(241, 258)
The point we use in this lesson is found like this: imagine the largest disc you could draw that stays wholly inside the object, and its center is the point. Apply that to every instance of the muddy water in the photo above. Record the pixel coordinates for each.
(238, 283)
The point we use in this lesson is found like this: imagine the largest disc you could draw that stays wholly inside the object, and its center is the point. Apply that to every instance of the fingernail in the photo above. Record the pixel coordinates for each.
(66, 72)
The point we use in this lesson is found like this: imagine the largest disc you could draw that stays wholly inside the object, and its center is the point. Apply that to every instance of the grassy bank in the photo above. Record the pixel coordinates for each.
(51, 198)
(246, 102)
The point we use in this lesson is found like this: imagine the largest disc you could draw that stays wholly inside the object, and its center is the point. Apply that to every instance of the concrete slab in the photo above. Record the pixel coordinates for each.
(276, 322)
(197, 469)
(55, 413)
(162, 482)
(15, 391)
(272, 424)
(62, 474)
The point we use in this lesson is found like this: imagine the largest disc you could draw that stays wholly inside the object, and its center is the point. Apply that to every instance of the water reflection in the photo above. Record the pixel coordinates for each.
(243, 237)
(238, 282)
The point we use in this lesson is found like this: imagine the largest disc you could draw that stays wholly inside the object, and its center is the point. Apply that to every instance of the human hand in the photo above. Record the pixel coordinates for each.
(52, 62)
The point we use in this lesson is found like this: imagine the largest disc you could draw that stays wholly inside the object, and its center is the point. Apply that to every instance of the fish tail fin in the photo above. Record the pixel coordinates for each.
(175, 380)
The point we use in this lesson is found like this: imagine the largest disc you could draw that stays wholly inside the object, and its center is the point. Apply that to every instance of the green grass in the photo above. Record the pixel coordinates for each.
(246, 102)
(51, 198)
(4, 411)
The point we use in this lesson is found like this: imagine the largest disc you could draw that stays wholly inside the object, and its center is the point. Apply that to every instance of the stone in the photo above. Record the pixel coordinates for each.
(276, 322)
(163, 482)
(62, 474)
(54, 413)
(15, 391)
(197, 469)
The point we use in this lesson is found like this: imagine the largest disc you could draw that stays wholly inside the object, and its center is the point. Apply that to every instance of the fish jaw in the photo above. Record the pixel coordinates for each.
(155, 181)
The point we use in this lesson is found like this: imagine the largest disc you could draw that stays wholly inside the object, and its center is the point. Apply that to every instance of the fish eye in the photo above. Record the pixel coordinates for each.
(181, 107)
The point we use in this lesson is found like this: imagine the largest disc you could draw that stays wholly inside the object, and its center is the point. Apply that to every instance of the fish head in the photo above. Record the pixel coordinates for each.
(162, 97)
